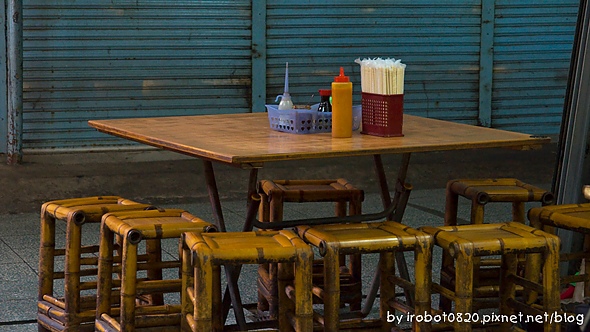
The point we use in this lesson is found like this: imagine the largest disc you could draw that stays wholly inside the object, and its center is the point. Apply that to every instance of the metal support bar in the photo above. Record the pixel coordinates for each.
(14, 44)
(3, 82)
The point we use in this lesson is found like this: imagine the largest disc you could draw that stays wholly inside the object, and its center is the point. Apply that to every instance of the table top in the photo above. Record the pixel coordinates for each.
(246, 139)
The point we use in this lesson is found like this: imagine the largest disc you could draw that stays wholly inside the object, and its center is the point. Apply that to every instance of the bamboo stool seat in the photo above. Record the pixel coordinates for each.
(572, 217)
(273, 195)
(74, 311)
(384, 238)
(466, 243)
(135, 227)
(481, 192)
(203, 255)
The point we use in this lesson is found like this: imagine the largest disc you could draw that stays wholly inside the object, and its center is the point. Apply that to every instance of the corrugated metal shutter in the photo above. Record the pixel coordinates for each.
(109, 59)
(97, 59)
(532, 51)
(438, 40)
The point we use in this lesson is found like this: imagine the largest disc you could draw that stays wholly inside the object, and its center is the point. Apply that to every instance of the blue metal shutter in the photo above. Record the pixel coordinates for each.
(532, 51)
(111, 59)
(438, 40)
(97, 59)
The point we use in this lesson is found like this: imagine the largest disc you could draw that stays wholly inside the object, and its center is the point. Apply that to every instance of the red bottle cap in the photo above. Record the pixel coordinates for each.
(341, 78)
(325, 92)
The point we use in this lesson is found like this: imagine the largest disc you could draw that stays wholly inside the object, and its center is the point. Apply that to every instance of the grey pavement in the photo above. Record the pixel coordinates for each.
(169, 180)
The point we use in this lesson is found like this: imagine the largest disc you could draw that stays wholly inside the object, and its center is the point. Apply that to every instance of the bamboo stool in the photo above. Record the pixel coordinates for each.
(384, 238)
(73, 312)
(482, 192)
(273, 195)
(572, 217)
(203, 255)
(134, 227)
(467, 242)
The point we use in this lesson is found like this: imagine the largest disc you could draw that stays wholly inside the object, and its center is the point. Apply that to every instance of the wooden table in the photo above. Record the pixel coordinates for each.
(246, 141)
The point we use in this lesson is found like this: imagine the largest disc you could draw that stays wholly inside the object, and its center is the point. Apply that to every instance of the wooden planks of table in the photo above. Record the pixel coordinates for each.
(246, 141)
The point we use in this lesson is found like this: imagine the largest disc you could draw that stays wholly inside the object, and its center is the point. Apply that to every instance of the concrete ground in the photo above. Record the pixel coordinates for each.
(169, 180)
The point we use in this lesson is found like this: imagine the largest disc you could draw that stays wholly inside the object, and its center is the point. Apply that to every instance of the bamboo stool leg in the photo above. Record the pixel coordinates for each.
(508, 287)
(303, 299)
(187, 281)
(331, 289)
(463, 287)
(128, 285)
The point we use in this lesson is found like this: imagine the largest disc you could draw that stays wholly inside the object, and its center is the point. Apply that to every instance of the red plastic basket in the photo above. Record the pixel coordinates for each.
(382, 114)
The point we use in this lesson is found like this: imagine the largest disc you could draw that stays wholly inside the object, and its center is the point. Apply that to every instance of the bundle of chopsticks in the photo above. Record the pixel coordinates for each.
(382, 76)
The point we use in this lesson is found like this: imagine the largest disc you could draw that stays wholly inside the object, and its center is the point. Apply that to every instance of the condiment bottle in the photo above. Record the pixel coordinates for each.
(325, 105)
(341, 106)
(286, 103)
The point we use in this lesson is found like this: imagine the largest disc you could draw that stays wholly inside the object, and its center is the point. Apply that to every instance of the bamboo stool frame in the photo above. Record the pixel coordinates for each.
(134, 227)
(385, 238)
(74, 312)
(572, 217)
(465, 243)
(203, 255)
(273, 195)
(481, 192)
(484, 191)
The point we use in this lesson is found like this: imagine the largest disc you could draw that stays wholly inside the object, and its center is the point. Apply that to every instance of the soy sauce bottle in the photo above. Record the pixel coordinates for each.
(325, 105)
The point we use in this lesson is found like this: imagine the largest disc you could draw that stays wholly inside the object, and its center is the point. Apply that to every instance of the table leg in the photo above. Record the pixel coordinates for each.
(400, 200)
(232, 293)
(213, 195)
(252, 183)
